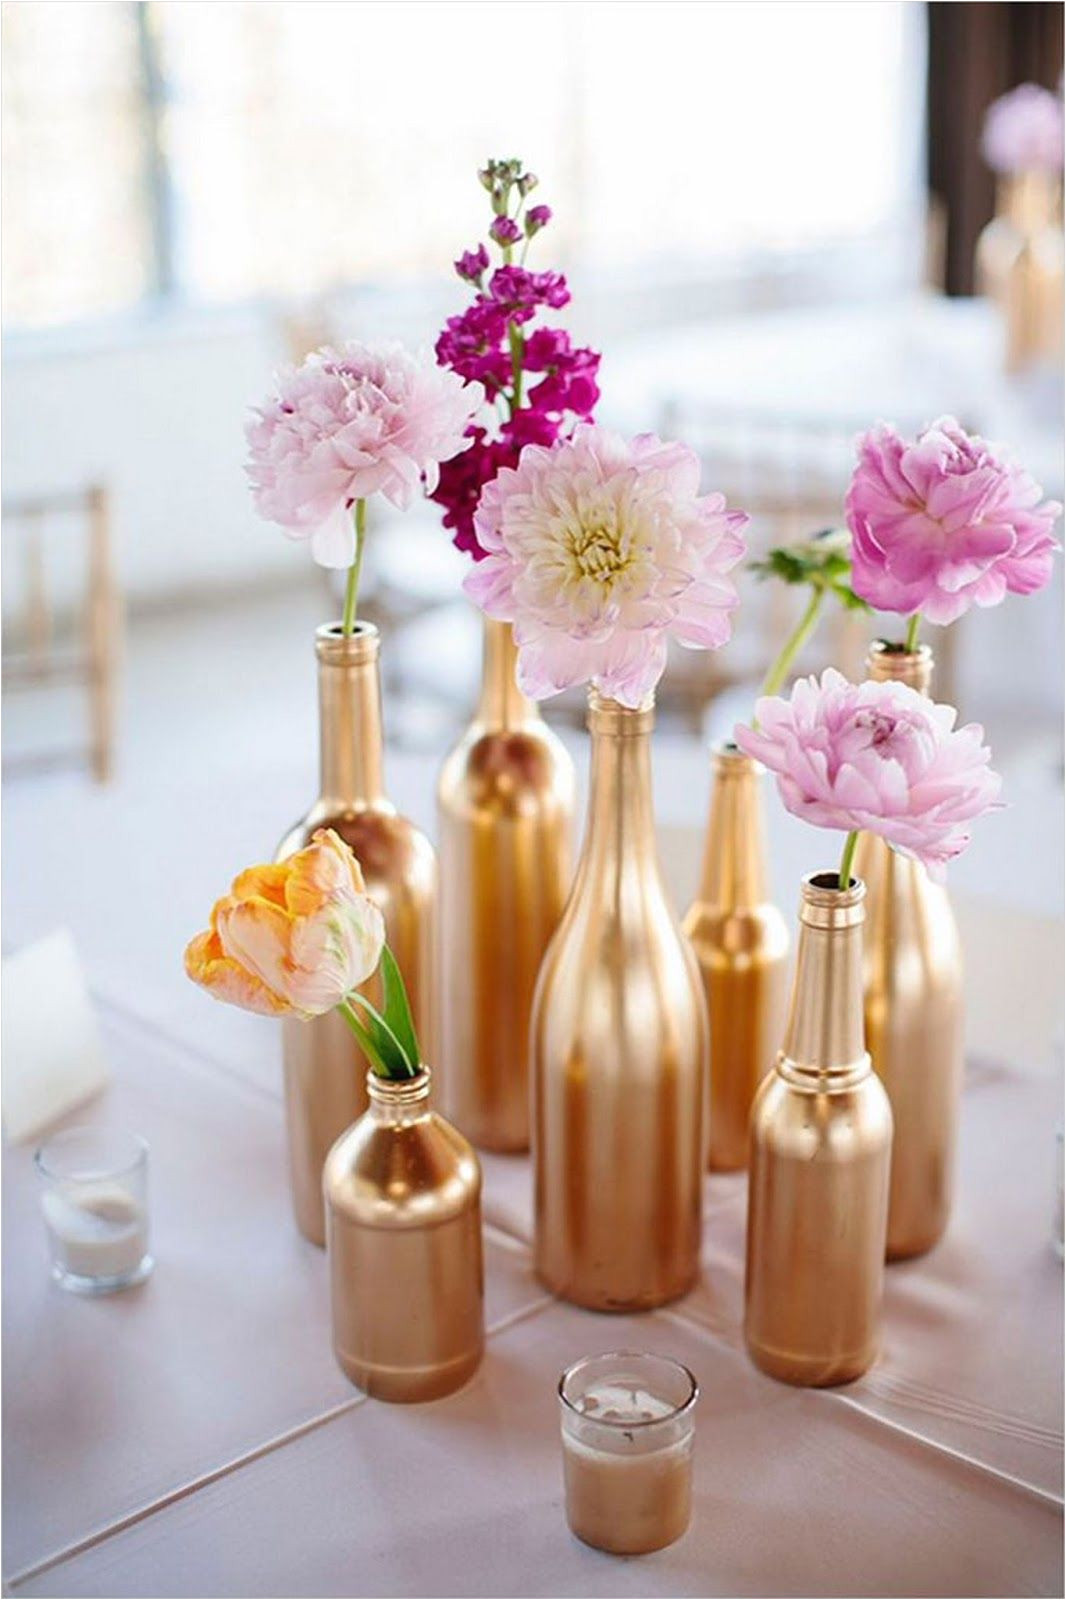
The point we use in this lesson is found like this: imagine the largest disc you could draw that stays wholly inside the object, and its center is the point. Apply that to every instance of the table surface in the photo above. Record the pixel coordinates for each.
(193, 1436)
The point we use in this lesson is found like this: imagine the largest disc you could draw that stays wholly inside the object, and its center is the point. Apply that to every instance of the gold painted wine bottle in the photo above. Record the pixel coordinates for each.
(914, 1010)
(403, 1219)
(619, 1055)
(821, 1137)
(505, 808)
(741, 945)
(1020, 267)
(325, 1070)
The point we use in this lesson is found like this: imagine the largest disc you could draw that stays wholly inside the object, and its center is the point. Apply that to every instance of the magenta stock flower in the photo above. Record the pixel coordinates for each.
(943, 522)
(473, 264)
(597, 549)
(346, 424)
(1023, 131)
(879, 758)
(505, 230)
(537, 217)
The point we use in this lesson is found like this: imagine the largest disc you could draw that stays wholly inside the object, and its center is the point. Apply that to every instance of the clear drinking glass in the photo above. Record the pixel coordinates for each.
(628, 1424)
(95, 1205)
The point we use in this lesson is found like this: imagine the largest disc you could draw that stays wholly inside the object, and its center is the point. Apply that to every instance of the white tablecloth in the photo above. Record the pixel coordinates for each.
(193, 1436)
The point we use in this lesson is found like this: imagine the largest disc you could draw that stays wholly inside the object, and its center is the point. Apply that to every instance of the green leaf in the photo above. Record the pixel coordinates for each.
(397, 1007)
(366, 1040)
(386, 1043)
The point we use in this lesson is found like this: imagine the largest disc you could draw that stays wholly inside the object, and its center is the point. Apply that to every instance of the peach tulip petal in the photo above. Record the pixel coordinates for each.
(207, 964)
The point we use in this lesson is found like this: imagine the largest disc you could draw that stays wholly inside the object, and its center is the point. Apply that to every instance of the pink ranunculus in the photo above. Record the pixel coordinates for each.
(943, 522)
(1023, 131)
(597, 549)
(346, 424)
(878, 757)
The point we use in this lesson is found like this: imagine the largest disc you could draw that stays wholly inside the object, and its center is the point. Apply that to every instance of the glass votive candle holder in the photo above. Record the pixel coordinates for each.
(95, 1204)
(628, 1424)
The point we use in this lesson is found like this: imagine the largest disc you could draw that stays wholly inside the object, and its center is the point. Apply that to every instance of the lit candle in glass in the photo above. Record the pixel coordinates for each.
(627, 1424)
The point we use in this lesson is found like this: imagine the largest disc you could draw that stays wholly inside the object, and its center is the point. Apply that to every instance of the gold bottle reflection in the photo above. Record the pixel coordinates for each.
(403, 1209)
(324, 1067)
(741, 944)
(914, 1010)
(821, 1136)
(505, 804)
(1020, 267)
(619, 1055)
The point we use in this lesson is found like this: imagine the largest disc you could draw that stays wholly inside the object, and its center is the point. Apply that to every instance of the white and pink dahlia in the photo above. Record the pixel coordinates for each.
(598, 550)
(347, 424)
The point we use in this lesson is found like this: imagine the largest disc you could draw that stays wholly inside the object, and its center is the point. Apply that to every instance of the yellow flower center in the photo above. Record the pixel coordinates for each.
(596, 550)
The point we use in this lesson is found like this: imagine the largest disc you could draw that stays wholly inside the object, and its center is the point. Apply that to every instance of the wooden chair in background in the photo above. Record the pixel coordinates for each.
(96, 663)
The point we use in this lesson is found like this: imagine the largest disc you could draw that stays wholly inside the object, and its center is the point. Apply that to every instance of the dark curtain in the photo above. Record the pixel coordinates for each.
(976, 52)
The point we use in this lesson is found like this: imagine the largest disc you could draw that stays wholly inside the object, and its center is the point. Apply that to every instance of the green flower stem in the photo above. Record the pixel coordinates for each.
(847, 858)
(794, 644)
(912, 631)
(351, 593)
(518, 350)
(365, 1040)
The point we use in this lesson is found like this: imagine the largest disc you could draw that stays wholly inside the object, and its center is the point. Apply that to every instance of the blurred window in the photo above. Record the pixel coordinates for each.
(231, 150)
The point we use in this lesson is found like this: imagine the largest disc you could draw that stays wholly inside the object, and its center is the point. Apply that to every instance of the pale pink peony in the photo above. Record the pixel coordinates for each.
(346, 424)
(944, 522)
(878, 757)
(1023, 131)
(598, 549)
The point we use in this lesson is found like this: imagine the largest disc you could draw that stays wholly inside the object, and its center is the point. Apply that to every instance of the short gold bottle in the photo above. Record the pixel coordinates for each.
(821, 1137)
(913, 984)
(1020, 266)
(324, 1067)
(619, 1055)
(506, 810)
(403, 1209)
(741, 944)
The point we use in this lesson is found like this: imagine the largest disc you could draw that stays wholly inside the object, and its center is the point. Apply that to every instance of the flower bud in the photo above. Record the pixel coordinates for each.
(537, 217)
(505, 231)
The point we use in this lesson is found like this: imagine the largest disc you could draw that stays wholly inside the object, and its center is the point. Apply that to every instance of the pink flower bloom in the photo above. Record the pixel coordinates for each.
(346, 424)
(473, 264)
(943, 523)
(1023, 131)
(505, 231)
(879, 757)
(597, 550)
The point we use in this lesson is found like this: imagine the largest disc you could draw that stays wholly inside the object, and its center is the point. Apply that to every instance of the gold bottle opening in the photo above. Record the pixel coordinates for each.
(886, 663)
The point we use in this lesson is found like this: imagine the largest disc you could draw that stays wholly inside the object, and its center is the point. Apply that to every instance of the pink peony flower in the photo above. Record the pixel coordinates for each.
(346, 424)
(943, 523)
(597, 550)
(1023, 131)
(878, 757)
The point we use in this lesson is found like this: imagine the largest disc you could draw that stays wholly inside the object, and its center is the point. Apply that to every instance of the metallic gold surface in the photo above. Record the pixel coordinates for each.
(741, 945)
(1020, 266)
(914, 1011)
(505, 809)
(619, 1055)
(821, 1135)
(403, 1209)
(324, 1067)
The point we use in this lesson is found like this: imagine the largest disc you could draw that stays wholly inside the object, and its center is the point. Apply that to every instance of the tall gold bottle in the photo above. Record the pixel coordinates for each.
(821, 1136)
(619, 1055)
(914, 1010)
(505, 807)
(1020, 266)
(741, 944)
(403, 1210)
(324, 1067)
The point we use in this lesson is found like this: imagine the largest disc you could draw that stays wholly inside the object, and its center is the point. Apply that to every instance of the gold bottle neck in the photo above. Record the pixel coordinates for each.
(887, 664)
(620, 829)
(1028, 199)
(395, 1103)
(824, 1042)
(501, 703)
(733, 877)
(349, 706)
